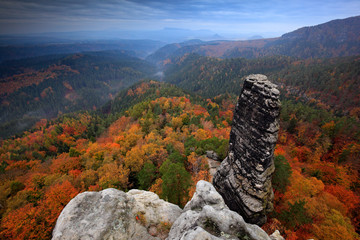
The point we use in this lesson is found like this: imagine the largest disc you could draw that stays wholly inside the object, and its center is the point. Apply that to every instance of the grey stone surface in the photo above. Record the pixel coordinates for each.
(205, 194)
(212, 155)
(244, 177)
(213, 166)
(207, 217)
(198, 233)
(113, 214)
(153, 208)
(276, 236)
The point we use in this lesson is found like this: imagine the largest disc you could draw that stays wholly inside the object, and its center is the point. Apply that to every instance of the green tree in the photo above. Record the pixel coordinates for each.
(292, 125)
(16, 186)
(176, 182)
(280, 178)
(147, 175)
(295, 216)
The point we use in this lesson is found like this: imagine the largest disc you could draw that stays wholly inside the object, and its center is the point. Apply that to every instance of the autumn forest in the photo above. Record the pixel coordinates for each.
(94, 120)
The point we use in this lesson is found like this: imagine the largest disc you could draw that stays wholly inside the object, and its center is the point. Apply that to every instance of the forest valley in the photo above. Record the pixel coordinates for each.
(154, 136)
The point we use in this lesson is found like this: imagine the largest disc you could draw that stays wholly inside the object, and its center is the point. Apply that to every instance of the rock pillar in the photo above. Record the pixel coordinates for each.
(244, 177)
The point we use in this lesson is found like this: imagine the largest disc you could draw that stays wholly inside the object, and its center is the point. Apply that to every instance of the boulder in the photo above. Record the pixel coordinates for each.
(276, 236)
(212, 155)
(244, 177)
(207, 217)
(158, 214)
(113, 214)
(213, 166)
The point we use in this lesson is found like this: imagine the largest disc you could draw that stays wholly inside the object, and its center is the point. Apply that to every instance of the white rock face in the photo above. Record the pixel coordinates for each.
(113, 214)
(159, 214)
(207, 217)
(154, 208)
(205, 194)
(276, 236)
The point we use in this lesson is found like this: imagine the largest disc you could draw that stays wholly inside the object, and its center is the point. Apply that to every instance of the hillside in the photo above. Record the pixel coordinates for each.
(209, 76)
(47, 86)
(162, 138)
(140, 149)
(336, 38)
(220, 49)
(33, 88)
(332, 83)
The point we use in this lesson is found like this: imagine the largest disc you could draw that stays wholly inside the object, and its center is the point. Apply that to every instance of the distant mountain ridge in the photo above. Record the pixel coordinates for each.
(336, 38)
(341, 30)
(137, 48)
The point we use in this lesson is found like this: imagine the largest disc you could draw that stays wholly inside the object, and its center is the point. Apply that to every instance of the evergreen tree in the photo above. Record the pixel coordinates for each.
(176, 182)
(147, 175)
(280, 178)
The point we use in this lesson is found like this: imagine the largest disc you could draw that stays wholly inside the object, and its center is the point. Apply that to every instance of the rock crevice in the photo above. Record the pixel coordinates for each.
(244, 177)
(206, 216)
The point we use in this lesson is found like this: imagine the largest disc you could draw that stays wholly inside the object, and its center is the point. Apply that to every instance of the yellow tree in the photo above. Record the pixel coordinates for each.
(113, 175)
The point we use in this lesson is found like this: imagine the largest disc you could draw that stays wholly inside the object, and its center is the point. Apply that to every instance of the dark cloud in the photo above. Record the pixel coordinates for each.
(260, 15)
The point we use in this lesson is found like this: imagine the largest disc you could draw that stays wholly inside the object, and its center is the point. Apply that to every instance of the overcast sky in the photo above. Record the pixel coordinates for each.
(233, 16)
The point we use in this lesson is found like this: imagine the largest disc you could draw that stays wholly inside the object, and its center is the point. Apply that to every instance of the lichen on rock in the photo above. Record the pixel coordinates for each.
(244, 177)
(113, 214)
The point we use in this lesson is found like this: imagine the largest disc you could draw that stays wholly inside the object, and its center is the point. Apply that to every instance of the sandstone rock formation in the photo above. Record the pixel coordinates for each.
(212, 155)
(113, 214)
(207, 217)
(244, 177)
(276, 236)
(243, 181)
(213, 162)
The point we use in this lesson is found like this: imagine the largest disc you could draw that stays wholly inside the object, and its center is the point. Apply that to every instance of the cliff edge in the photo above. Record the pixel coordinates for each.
(113, 214)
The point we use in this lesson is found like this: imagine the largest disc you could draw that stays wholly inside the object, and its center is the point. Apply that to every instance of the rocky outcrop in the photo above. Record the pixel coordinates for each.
(206, 216)
(276, 236)
(243, 181)
(244, 177)
(212, 155)
(213, 162)
(113, 214)
(213, 166)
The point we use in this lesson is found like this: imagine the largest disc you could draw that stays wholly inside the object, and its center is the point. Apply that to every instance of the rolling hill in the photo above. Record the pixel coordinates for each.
(336, 38)
(47, 86)
(332, 83)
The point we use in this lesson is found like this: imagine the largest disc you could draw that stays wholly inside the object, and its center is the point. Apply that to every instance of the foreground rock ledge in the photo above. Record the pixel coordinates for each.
(206, 216)
(113, 214)
(244, 177)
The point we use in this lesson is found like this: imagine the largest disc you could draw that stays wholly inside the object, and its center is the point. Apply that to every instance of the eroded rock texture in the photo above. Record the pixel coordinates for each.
(113, 214)
(206, 217)
(244, 177)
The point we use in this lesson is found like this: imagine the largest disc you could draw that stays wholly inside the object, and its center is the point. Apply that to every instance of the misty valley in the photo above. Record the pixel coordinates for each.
(88, 115)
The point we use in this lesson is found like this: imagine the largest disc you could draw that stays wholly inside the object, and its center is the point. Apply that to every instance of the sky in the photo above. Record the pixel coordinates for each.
(268, 18)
